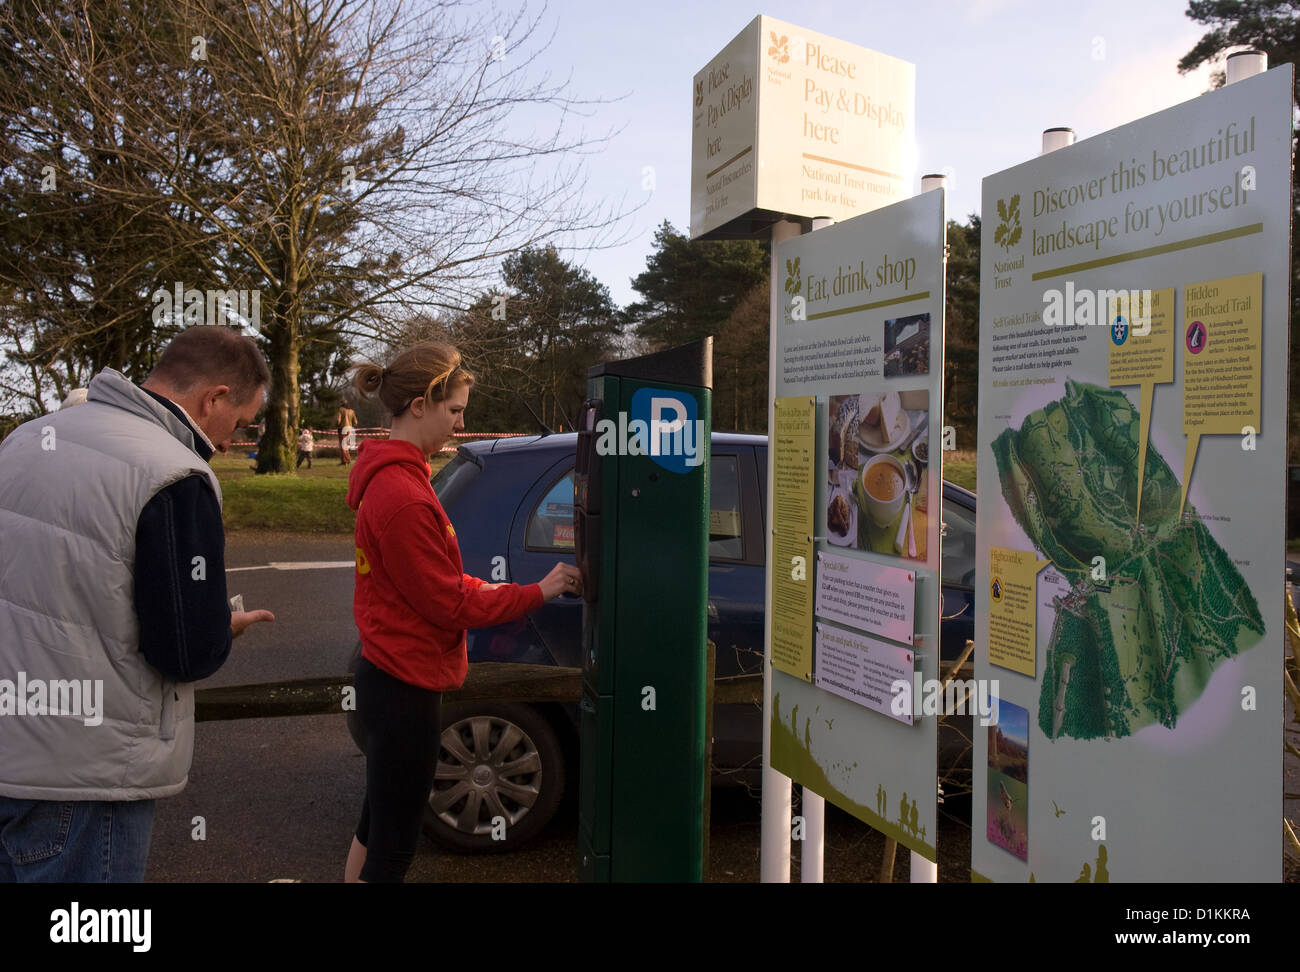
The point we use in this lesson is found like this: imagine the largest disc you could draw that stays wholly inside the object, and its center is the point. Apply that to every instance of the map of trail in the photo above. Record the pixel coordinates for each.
(1139, 647)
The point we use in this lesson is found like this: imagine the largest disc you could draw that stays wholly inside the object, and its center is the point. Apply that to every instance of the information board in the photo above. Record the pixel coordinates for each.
(1134, 306)
(859, 354)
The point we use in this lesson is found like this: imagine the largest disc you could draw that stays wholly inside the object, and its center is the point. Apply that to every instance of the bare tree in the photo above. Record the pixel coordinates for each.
(351, 164)
(375, 169)
(85, 228)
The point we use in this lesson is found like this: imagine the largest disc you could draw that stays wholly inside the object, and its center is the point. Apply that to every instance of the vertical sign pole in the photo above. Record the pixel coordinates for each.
(774, 853)
(811, 857)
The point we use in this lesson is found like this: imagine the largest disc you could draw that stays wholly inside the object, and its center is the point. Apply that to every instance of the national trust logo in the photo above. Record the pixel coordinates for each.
(780, 49)
(793, 280)
(1007, 233)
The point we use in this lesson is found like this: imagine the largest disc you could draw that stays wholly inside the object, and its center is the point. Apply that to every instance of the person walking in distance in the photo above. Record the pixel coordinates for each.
(305, 446)
(413, 602)
(346, 420)
(114, 584)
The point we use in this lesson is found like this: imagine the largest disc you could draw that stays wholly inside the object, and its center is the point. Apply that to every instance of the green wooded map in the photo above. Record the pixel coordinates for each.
(1138, 646)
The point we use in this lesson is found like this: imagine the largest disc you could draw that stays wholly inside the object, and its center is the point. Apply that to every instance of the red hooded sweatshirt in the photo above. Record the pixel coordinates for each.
(413, 602)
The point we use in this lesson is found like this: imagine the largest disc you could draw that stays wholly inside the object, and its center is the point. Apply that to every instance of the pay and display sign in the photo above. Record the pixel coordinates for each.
(786, 121)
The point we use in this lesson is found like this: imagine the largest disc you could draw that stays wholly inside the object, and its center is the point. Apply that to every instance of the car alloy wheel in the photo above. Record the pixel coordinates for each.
(499, 778)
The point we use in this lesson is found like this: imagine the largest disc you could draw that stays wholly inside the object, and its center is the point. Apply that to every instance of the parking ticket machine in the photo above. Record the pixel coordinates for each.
(641, 530)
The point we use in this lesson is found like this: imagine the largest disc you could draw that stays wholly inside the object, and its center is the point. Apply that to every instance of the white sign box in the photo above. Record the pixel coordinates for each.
(786, 121)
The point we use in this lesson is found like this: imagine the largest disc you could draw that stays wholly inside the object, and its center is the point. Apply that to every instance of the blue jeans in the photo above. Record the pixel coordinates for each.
(76, 841)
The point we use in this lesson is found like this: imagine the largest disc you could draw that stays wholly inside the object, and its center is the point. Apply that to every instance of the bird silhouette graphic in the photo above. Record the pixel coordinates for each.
(1057, 810)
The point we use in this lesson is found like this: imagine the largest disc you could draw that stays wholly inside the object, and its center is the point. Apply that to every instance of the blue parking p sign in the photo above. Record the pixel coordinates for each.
(675, 431)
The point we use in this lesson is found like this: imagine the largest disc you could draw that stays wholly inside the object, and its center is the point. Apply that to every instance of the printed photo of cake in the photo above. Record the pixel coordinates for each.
(844, 431)
(838, 517)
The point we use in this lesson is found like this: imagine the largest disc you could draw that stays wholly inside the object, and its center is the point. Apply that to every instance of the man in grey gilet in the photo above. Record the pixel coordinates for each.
(113, 603)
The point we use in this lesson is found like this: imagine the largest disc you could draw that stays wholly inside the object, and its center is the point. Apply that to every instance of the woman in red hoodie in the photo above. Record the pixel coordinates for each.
(413, 601)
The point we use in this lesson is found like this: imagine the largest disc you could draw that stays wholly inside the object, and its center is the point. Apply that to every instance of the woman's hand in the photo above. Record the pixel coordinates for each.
(563, 579)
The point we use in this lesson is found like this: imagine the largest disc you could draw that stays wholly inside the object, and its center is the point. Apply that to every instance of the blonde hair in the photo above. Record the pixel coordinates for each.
(428, 370)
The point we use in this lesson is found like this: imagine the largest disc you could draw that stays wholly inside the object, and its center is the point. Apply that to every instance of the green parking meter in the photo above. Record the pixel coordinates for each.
(641, 532)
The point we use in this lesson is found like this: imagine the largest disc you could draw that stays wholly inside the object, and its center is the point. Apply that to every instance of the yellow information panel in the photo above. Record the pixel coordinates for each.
(1013, 609)
(1142, 353)
(1142, 337)
(792, 545)
(1221, 369)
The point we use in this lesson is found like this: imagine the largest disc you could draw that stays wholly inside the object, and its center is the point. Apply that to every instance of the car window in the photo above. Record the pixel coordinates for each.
(726, 538)
(958, 563)
(453, 479)
(550, 525)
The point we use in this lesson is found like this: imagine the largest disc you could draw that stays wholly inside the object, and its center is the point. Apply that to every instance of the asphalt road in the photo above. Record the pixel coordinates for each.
(277, 799)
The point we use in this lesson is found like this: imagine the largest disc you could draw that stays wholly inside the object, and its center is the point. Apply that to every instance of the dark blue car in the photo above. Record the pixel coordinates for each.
(512, 503)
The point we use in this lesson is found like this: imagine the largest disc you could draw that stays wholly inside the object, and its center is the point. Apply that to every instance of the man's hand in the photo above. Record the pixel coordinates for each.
(240, 621)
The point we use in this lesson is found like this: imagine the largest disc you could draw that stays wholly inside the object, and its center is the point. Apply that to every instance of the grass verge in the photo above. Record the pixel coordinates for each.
(315, 500)
(306, 501)
(959, 468)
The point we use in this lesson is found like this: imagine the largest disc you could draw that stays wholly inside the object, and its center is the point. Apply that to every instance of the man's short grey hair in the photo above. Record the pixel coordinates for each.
(213, 354)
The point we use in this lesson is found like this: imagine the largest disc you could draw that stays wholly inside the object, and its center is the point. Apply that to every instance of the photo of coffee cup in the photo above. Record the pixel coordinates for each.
(884, 484)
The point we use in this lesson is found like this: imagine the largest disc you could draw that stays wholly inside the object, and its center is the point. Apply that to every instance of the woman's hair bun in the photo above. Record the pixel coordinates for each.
(429, 370)
(368, 378)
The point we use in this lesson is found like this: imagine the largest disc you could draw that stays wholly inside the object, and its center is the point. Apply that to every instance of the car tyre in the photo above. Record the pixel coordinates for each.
(537, 773)
(497, 760)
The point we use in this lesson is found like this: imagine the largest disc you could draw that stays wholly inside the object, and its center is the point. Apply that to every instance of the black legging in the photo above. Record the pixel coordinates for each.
(401, 727)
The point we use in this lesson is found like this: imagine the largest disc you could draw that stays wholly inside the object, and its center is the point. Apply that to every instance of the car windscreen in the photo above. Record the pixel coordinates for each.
(454, 478)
